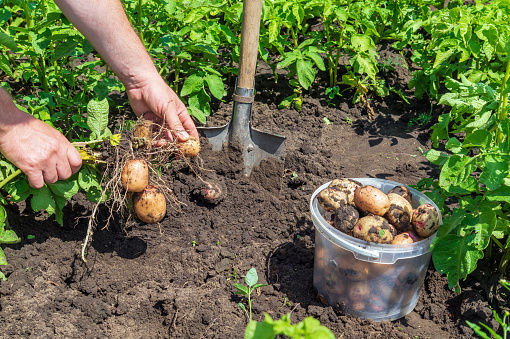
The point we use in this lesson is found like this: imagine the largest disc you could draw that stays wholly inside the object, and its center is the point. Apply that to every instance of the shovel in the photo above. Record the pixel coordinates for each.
(255, 145)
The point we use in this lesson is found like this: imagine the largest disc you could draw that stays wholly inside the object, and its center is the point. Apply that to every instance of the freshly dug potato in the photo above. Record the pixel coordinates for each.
(358, 306)
(329, 216)
(142, 135)
(400, 212)
(404, 192)
(374, 229)
(189, 148)
(408, 237)
(150, 205)
(346, 216)
(425, 220)
(358, 291)
(371, 199)
(378, 269)
(330, 199)
(135, 175)
(376, 303)
(346, 185)
(351, 268)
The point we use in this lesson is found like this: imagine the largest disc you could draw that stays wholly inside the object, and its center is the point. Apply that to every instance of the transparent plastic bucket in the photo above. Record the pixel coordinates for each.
(375, 281)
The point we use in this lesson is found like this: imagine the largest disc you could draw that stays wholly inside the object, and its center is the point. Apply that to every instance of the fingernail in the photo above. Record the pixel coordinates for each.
(183, 135)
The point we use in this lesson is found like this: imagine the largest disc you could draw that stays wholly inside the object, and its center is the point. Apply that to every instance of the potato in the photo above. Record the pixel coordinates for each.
(345, 218)
(408, 237)
(376, 303)
(135, 175)
(189, 148)
(358, 306)
(348, 186)
(425, 220)
(330, 199)
(142, 135)
(329, 216)
(374, 229)
(371, 199)
(358, 291)
(400, 212)
(150, 205)
(353, 269)
(404, 192)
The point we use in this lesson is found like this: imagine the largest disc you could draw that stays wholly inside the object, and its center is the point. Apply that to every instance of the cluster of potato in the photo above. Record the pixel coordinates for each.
(363, 287)
(367, 213)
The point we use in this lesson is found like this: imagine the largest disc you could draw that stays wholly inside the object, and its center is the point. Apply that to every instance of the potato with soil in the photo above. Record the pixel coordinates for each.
(425, 220)
(400, 213)
(404, 192)
(358, 291)
(150, 205)
(372, 200)
(408, 237)
(352, 268)
(330, 199)
(135, 175)
(347, 186)
(374, 229)
(345, 218)
(189, 148)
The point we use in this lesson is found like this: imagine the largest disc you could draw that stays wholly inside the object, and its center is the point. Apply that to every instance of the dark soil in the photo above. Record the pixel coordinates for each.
(175, 280)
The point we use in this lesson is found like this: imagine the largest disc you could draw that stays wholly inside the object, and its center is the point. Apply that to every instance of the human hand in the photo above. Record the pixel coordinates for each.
(37, 149)
(155, 100)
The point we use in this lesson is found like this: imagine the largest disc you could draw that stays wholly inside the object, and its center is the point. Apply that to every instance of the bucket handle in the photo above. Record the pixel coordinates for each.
(330, 235)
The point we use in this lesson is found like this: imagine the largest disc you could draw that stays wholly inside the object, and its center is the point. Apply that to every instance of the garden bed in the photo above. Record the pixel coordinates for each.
(175, 280)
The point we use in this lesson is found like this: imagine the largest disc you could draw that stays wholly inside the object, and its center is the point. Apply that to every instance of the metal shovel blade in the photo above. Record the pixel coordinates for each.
(254, 144)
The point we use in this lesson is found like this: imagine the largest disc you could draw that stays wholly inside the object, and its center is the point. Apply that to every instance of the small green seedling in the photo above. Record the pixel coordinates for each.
(193, 243)
(251, 280)
(327, 121)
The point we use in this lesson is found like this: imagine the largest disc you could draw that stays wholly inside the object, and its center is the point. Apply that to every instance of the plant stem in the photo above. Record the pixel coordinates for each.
(140, 31)
(10, 177)
(502, 109)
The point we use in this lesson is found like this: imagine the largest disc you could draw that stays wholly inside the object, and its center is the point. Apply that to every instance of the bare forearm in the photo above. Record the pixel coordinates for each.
(106, 26)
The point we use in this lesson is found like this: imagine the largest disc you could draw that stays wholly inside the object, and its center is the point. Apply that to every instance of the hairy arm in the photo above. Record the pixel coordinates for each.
(106, 26)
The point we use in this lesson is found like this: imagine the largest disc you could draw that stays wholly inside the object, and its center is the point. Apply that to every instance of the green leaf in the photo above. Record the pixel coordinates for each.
(305, 73)
(65, 188)
(251, 277)
(454, 257)
(362, 43)
(192, 84)
(496, 169)
(5, 65)
(241, 289)
(97, 117)
(479, 138)
(64, 49)
(457, 171)
(19, 191)
(256, 330)
(502, 193)
(436, 157)
(443, 56)
(9, 237)
(3, 261)
(482, 225)
(215, 85)
(42, 200)
(8, 42)
(317, 59)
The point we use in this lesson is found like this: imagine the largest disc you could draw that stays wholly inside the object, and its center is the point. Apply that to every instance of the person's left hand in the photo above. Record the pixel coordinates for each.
(155, 100)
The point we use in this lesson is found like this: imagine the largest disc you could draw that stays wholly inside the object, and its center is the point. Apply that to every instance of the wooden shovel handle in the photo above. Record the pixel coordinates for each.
(252, 11)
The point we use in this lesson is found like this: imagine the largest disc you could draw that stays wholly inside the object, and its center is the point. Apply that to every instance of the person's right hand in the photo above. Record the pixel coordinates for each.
(37, 149)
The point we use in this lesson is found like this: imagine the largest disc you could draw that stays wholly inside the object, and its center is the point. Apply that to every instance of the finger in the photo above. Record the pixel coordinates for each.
(174, 123)
(185, 119)
(50, 175)
(74, 159)
(35, 179)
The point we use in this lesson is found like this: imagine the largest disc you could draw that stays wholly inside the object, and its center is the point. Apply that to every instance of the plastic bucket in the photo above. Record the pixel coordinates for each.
(368, 280)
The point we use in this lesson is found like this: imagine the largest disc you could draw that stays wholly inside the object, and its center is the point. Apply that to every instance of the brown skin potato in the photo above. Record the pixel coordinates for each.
(376, 303)
(400, 212)
(345, 218)
(189, 148)
(404, 192)
(358, 306)
(358, 291)
(408, 237)
(371, 199)
(330, 199)
(346, 185)
(425, 220)
(150, 205)
(135, 175)
(374, 229)
(142, 135)
(351, 268)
